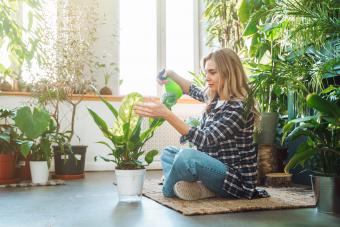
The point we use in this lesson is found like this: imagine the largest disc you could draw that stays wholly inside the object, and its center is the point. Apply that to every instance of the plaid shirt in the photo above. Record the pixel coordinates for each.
(224, 135)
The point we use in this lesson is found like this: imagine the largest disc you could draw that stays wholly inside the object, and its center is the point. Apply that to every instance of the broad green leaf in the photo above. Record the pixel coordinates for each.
(251, 27)
(100, 123)
(303, 153)
(25, 147)
(324, 106)
(244, 11)
(126, 112)
(32, 125)
(150, 156)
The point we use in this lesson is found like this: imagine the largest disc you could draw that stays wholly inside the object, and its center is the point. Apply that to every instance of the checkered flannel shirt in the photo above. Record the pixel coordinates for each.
(224, 135)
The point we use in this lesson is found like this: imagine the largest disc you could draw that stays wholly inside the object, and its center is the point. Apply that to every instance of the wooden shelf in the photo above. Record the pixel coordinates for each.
(90, 97)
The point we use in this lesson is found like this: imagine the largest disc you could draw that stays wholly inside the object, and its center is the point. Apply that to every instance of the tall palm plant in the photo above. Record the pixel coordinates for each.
(223, 25)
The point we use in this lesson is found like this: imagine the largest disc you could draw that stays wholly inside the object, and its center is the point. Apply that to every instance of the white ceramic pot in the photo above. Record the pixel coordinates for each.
(130, 184)
(39, 172)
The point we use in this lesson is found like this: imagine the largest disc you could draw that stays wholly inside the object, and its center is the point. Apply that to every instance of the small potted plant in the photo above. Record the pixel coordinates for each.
(108, 70)
(69, 160)
(8, 147)
(127, 139)
(37, 128)
(320, 152)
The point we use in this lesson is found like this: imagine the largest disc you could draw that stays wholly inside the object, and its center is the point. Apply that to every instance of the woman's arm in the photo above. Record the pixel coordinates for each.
(183, 83)
(186, 86)
(154, 109)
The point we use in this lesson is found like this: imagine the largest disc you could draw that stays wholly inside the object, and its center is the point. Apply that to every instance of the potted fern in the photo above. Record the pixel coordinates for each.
(127, 139)
(320, 152)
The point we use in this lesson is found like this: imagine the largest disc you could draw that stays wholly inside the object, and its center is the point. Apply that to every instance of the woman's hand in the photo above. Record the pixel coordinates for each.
(167, 73)
(152, 109)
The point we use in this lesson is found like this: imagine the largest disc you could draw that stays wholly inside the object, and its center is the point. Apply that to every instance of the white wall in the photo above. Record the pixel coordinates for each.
(88, 132)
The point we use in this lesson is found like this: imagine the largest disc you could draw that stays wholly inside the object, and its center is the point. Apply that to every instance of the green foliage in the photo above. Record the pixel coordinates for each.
(321, 150)
(8, 133)
(295, 43)
(37, 130)
(223, 26)
(17, 49)
(126, 134)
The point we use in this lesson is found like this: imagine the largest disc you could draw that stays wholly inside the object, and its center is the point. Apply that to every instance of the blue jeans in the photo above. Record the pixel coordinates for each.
(192, 165)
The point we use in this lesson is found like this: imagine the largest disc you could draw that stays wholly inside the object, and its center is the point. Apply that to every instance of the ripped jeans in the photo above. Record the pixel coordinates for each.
(192, 165)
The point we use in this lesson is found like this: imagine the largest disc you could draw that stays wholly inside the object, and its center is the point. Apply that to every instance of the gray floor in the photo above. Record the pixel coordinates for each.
(94, 202)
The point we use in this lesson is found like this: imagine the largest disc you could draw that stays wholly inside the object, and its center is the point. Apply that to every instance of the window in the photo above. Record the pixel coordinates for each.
(33, 70)
(180, 36)
(138, 46)
(155, 34)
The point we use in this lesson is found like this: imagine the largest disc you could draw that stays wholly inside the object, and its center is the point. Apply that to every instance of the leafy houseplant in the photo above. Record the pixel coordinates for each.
(321, 151)
(322, 148)
(127, 139)
(37, 129)
(223, 24)
(8, 147)
(126, 135)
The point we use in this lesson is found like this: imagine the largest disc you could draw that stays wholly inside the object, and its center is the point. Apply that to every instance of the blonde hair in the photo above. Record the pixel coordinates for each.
(233, 82)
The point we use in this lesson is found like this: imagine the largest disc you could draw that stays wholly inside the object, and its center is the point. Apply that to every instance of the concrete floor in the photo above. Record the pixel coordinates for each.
(94, 202)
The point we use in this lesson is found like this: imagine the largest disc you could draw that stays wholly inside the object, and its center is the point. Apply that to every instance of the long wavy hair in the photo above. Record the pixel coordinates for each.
(233, 82)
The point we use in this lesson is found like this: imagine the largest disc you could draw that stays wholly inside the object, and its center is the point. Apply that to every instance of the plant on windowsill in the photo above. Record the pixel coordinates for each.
(127, 140)
(320, 153)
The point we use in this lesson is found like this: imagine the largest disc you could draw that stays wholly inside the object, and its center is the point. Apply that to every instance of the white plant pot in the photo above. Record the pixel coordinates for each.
(39, 172)
(130, 184)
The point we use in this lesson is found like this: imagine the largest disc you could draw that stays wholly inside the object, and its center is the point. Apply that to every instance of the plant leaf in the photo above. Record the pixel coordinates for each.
(150, 156)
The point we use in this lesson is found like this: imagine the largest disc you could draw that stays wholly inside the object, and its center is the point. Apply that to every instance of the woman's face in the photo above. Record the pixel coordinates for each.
(212, 76)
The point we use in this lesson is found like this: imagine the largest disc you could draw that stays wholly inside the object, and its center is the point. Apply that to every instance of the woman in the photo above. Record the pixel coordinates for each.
(225, 161)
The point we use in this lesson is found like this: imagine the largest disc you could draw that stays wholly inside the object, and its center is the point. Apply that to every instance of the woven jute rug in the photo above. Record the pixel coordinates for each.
(280, 198)
(30, 184)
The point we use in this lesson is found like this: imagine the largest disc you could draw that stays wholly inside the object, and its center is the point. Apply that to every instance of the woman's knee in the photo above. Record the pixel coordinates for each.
(185, 158)
(188, 154)
(169, 151)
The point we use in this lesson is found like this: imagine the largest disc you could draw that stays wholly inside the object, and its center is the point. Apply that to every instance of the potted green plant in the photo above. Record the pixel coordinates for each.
(37, 128)
(67, 75)
(108, 70)
(320, 153)
(8, 147)
(69, 160)
(127, 139)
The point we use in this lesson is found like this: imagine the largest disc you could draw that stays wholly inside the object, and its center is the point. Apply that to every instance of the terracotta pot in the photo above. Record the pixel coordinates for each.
(7, 168)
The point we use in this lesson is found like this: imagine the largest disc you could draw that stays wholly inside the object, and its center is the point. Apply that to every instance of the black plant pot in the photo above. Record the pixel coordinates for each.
(69, 164)
(327, 194)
